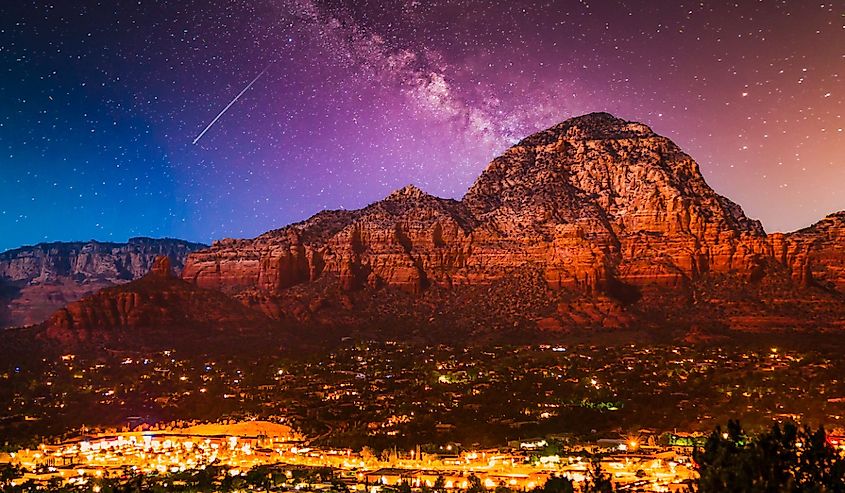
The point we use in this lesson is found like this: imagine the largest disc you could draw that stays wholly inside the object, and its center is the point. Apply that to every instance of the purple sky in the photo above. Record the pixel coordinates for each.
(101, 104)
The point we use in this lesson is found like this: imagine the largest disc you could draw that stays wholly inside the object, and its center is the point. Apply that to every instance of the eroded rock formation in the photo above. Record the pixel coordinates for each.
(594, 223)
(157, 306)
(37, 280)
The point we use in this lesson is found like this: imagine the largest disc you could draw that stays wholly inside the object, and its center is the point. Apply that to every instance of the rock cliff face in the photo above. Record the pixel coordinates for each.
(408, 240)
(607, 202)
(35, 281)
(815, 255)
(597, 204)
(156, 308)
(594, 223)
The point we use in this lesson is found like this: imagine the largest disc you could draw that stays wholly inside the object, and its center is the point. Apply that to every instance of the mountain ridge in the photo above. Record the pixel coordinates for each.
(604, 223)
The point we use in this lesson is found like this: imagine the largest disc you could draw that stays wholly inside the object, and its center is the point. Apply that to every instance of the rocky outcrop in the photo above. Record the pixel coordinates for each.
(37, 280)
(607, 201)
(409, 240)
(815, 256)
(157, 308)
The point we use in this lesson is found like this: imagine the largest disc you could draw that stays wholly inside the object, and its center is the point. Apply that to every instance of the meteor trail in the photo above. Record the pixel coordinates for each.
(245, 89)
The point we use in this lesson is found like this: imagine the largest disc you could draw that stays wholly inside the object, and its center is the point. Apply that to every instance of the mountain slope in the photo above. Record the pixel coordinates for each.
(156, 309)
(37, 280)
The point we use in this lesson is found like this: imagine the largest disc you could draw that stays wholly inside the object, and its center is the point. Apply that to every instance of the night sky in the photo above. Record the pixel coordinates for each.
(100, 103)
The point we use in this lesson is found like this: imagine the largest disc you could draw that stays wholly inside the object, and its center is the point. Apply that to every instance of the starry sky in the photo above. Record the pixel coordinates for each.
(102, 103)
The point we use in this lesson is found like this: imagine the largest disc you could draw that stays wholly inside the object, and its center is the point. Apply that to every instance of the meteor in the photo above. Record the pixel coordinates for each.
(233, 101)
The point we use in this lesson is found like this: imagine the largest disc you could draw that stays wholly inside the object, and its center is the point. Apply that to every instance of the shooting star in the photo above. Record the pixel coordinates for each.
(245, 89)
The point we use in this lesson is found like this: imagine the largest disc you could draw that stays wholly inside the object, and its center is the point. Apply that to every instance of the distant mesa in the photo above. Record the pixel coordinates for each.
(595, 224)
(37, 280)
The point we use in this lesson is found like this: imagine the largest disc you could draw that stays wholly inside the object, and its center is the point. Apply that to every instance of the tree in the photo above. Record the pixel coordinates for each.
(558, 484)
(475, 485)
(502, 488)
(368, 454)
(553, 447)
(783, 460)
(8, 473)
(439, 485)
(340, 486)
(597, 480)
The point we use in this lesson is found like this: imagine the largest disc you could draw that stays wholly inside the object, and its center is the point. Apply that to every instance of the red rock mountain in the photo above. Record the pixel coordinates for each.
(594, 223)
(150, 309)
(37, 280)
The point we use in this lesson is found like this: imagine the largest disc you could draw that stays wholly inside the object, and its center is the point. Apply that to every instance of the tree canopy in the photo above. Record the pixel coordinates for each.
(786, 459)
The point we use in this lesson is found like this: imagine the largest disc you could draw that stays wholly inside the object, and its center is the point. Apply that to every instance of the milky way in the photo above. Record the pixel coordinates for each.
(100, 103)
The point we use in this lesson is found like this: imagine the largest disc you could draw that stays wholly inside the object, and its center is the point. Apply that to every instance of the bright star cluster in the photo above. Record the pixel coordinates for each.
(101, 102)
